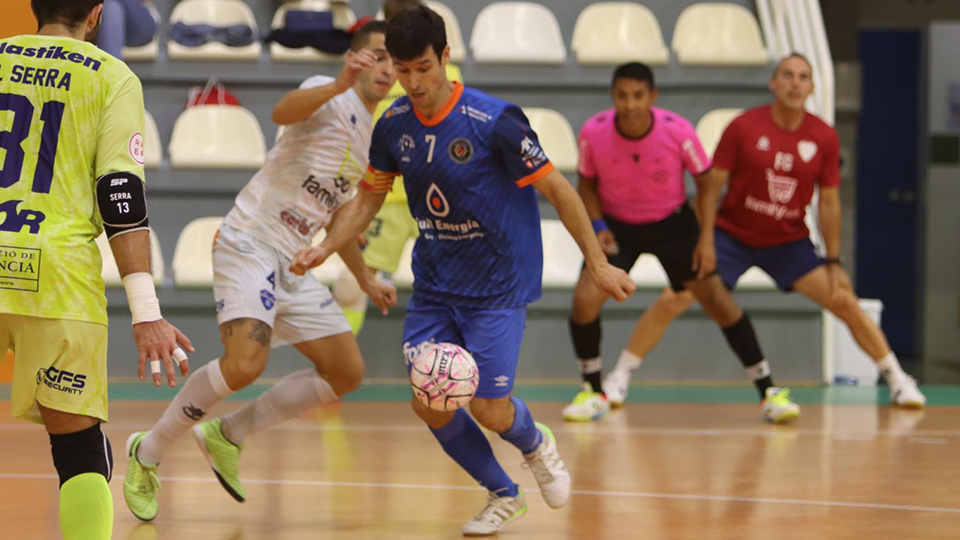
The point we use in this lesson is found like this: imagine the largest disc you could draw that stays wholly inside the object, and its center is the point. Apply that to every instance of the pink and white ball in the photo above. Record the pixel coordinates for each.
(444, 376)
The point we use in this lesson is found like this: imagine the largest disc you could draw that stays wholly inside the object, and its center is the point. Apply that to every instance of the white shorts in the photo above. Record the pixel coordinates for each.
(251, 280)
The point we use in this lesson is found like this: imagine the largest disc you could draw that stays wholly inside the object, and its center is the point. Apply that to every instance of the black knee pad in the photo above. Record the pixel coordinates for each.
(82, 452)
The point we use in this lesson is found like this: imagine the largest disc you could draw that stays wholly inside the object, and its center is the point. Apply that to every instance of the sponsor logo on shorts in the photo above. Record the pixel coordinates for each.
(62, 380)
(221, 304)
(502, 381)
(268, 299)
(326, 303)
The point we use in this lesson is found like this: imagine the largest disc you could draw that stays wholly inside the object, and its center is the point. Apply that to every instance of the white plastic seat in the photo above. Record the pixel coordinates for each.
(556, 137)
(458, 51)
(216, 13)
(192, 258)
(152, 149)
(110, 273)
(611, 33)
(330, 270)
(403, 278)
(517, 33)
(719, 34)
(648, 273)
(217, 137)
(710, 128)
(145, 53)
(561, 255)
(344, 17)
(756, 279)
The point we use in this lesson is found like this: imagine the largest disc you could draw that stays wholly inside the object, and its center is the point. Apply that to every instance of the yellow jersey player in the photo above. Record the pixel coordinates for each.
(393, 226)
(71, 166)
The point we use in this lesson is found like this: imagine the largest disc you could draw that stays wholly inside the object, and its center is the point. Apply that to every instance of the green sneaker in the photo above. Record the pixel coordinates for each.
(778, 408)
(222, 455)
(141, 484)
(587, 405)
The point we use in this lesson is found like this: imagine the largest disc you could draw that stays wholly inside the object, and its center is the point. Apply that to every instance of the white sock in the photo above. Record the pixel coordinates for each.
(289, 398)
(890, 369)
(760, 370)
(590, 365)
(628, 361)
(203, 389)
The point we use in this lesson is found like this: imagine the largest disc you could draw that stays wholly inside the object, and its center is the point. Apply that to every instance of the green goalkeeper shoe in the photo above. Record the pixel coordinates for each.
(222, 455)
(141, 484)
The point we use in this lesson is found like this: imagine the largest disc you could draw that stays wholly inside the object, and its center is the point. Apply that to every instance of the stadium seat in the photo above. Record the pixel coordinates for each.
(711, 127)
(217, 137)
(216, 13)
(403, 278)
(719, 34)
(647, 273)
(756, 279)
(517, 33)
(328, 272)
(192, 259)
(152, 149)
(562, 258)
(146, 53)
(344, 17)
(110, 273)
(611, 33)
(556, 137)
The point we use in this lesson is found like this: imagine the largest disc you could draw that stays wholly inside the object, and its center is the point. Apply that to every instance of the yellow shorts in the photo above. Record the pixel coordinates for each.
(387, 235)
(61, 364)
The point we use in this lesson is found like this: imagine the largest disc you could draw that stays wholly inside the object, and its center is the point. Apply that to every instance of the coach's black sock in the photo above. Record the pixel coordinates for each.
(743, 341)
(586, 345)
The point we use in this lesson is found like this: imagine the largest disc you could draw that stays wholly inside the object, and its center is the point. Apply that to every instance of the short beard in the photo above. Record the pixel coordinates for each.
(93, 34)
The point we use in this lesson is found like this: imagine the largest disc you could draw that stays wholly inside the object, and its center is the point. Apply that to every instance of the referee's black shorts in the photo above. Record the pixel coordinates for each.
(672, 240)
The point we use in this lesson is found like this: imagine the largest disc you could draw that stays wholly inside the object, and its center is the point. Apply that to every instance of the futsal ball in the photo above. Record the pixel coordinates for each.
(444, 376)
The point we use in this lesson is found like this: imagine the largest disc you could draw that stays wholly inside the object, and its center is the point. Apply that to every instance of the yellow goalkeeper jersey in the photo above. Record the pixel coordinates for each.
(69, 114)
(399, 194)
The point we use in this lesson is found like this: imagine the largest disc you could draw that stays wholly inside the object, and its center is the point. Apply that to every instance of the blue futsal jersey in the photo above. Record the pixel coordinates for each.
(467, 172)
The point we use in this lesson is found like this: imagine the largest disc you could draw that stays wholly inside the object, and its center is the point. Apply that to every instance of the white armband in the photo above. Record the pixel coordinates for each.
(142, 297)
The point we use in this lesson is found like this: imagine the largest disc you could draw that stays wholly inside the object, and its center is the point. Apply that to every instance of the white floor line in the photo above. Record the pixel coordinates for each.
(773, 431)
(588, 493)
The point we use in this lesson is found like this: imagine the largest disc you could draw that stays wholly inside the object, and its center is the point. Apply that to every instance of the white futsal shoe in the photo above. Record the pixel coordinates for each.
(616, 386)
(778, 408)
(587, 405)
(904, 393)
(549, 470)
(496, 515)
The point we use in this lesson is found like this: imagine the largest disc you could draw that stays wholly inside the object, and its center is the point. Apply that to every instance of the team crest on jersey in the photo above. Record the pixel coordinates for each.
(763, 143)
(437, 202)
(461, 151)
(407, 144)
(780, 188)
(531, 153)
(807, 150)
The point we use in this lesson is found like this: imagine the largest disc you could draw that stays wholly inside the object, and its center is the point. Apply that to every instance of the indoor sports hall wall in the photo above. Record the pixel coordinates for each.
(789, 327)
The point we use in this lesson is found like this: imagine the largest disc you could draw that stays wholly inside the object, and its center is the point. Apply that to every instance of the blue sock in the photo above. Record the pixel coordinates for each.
(524, 433)
(462, 440)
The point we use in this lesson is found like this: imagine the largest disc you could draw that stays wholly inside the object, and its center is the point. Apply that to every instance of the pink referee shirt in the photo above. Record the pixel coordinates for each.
(640, 180)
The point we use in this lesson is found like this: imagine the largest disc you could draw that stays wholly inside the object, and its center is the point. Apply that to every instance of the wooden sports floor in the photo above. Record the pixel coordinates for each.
(697, 470)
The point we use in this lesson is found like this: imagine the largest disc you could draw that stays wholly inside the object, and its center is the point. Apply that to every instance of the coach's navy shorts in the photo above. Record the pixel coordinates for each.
(492, 336)
(785, 263)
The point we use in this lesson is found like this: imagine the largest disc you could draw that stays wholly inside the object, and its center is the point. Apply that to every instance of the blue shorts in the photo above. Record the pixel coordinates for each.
(492, 336)
(785, 263)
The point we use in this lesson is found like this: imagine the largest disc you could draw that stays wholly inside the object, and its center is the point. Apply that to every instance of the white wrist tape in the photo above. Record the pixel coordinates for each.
(142, 297)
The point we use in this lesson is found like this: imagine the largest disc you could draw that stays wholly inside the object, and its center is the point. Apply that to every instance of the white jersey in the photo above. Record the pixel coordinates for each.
(312, 171)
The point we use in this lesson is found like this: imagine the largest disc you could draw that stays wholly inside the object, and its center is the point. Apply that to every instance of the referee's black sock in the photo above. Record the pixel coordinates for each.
(743, 341)
(586, 345)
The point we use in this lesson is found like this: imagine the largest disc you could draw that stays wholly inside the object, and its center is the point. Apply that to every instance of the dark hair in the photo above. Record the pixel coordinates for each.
(392, 7)
(794, 54)
(413, 30)
(636, 71)
(361, 38)
(70, 13)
